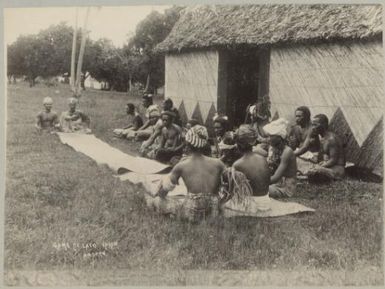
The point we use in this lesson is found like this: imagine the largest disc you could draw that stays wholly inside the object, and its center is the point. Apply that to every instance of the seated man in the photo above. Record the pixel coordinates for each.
(252, 165)
(201, 175)
(301, 139)
(170, 139)
(143, 107)
(281, 161)
(331, 158)
(259, 116)
(134, 122)
(224, 146)
(153, 125)
(144, 110)
(74, 120)
(47, 120)
(168, 105)
(245, 185)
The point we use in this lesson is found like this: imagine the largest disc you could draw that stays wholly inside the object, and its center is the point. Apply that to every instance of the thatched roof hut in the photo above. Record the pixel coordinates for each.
(328, 57)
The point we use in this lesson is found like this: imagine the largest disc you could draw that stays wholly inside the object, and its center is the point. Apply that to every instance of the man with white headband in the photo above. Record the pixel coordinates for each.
(74, 120)
(47, 120)
(281, 160)
(200, 173)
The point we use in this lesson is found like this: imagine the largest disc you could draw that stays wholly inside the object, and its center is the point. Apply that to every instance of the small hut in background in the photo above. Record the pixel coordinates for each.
(220, 58)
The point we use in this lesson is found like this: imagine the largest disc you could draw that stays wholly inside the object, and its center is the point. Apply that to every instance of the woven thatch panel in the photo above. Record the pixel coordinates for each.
(331, 76)
(231, 25)
(371, 153)
(193, 78)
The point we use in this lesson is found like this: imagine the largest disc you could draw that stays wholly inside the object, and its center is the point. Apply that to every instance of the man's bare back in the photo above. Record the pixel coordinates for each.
(255, 168)
(201, 174)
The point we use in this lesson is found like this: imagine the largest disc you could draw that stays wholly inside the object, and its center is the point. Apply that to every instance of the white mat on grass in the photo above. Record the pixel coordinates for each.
(150, 173)
(103, 153)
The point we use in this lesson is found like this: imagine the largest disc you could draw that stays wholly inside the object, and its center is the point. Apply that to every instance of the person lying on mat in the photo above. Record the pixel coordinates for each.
(134, 122)
(331, 158)
(253, 166)
(47, 120)
(281, 160)
(74, 120)
(201, 175)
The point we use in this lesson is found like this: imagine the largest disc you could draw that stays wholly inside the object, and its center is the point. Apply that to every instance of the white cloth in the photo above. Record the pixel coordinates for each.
(254, 203)
(277, 127)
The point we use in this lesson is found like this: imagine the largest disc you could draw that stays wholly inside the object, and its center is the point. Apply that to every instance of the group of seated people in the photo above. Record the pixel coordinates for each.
(72, 120)
(269, 159)
(270, 155)
(306, 148)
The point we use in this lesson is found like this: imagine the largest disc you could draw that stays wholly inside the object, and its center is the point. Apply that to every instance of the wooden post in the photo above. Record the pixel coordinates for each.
(73, 56)
(81, 54)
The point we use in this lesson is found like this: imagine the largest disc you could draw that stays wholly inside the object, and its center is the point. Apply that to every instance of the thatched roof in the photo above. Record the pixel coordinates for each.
(207, 26)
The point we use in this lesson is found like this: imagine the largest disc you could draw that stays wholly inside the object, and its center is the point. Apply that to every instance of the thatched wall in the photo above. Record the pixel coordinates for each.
(331, 76)
(191, 81)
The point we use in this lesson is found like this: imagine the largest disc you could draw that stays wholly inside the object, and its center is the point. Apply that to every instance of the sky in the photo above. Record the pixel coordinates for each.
(113, 22)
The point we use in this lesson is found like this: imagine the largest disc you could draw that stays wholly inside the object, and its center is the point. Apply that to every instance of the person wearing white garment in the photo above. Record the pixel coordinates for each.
(281, 160)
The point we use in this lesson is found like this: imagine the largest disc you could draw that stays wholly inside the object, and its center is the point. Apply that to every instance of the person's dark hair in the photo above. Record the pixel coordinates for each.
(306, 112)
(323, 120)
(131, 106)
(193, 122)
(244, 148)
(223, 121)
(148, 97)
(169, 101)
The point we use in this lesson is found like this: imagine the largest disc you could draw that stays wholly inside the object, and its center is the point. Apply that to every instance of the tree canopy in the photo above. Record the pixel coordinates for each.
(48, 54)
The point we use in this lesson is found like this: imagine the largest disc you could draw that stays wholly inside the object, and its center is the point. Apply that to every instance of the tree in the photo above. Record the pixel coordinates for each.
(151, 31)
(45, 54)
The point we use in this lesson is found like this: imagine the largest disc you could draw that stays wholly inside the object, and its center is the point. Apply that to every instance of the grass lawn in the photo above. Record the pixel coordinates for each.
(66, 214)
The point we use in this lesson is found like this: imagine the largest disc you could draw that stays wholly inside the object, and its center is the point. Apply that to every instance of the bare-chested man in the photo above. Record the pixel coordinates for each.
(331, 161)
(170, 139)
(254, 167)
(281, 160)
(200, 173)
(47, 120)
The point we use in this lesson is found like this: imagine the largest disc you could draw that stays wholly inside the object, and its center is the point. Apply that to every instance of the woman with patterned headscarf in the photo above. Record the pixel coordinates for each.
(201, 175)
